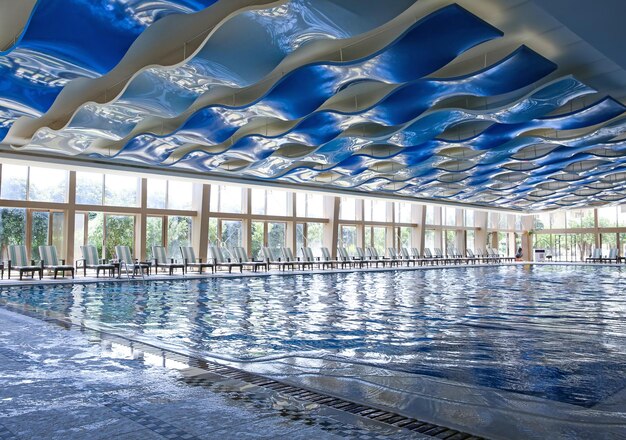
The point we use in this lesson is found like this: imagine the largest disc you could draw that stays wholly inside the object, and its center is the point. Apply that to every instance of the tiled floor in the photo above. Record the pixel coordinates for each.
(65, 384)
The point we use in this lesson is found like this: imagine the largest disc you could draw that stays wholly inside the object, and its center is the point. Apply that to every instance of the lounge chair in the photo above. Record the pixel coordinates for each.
(159, 254)
(471, 257)
(51, 261)
(360, 256)
(125, 257)
(344, 258)
(613, 256)
(288, 256)
(595, 257)
(18, 260)
(308, 257)
(395, 257)
(328, 259)
(406, 256)
(240, 254)
(271, 259)
(190, 260)
(220, 260)
(90, 260)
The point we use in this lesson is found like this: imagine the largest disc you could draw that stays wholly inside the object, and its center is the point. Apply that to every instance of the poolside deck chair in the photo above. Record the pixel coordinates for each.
(307, 256)
(613, 256)
(360, 256)
(373, 257)
(345, 259)
(471, 257)
(273, 260)
(221, 260)
(395, 257)
(159, 254)
(439, 257)
(452, 256)
(328, 259)
(239, 252)
(90, 260)
(406, 256)
(51, 261)
(190, 260)
(18, 260)
(125, 257)
(595, 257)
(288, 256)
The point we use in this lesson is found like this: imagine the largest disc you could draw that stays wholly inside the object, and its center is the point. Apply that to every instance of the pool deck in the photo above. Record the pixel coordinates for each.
(162, 276)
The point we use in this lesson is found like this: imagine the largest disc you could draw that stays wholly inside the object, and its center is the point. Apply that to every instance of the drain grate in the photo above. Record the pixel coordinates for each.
(358, 409)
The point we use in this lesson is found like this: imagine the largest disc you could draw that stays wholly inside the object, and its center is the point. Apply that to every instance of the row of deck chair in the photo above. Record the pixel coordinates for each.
(20, 261)
(597, 257)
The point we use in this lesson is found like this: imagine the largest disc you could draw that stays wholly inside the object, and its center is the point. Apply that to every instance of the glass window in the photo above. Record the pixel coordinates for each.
(154, 234)
(580, 218)
(178, 234)
(180, 194)
(542, 221)
(232, 233)
(157, 193)
(621, 216)
(226, 199)
(430, 215)
(58, 233)
(300, 238)
(314, 237)
(12, 227)
(518, 222)
(47, 185)
(95, 232)
(39, 230)
(309, 205)
(375, 210)
(278, 202)
(89, 188)
(276, 233)
(347, 208)
(403, 237)
(120, 231)
(402, 212)
(14, 182)
(557, 220)
(470, 238)
(469, 218)
(380, 240)
(258, 239)
(504, 221)
(607, 217)
(608, 241)
(258, 201)
(493, 220)
(429, 239)
(347, 238)
(213, 232)
(449, 216)
(120, 190)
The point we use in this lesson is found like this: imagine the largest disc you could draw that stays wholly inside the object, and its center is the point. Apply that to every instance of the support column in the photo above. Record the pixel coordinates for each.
(70, 220)
(480, 235)
(459, 239)
(331, 229)
(141, 222)
(527, 244)
(418, 234)
(200, 225)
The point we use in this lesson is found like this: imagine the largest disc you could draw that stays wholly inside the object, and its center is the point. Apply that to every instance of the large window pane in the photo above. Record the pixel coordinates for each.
(348, 238)
(157, 193)
(309, 205)
(120, 231)
(14, 182)
(430, 215)
(607, 217)
(375, 210)
(402, 212)
(226, 199)
(47, 185)
(121, 190)
(470, 240)
(180, 194)
(449, 216)
(347, 209)
(40, 222)
(429, 239)
(89, 188)
(380, 240)
(542, 221)
(232, 233)
(609, 241)
(154, 234)
(469, 218)
(79, 234)
(580, 218)
(557, 220)
(258, 239)
(12, 227)
(278, 203)
(314, 237)
(58, 233)
(213, 232)
(276, 233)
(178, 234)
(95, 231)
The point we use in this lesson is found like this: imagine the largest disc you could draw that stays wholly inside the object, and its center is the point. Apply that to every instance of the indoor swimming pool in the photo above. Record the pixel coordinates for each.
(553, 332)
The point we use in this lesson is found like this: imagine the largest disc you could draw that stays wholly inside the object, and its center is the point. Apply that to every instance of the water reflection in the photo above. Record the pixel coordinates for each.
(554, 332)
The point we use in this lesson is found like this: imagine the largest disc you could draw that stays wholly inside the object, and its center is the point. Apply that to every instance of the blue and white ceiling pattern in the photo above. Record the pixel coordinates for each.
(375, 121)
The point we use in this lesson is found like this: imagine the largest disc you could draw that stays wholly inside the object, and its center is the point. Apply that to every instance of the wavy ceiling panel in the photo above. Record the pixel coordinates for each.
(336, 93)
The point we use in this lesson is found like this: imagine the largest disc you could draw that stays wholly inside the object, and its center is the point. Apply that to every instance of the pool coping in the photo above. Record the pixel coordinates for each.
(248, 274)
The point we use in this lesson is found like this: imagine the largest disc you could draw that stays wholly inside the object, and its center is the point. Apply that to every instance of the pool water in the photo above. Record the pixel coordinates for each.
(556, 332)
